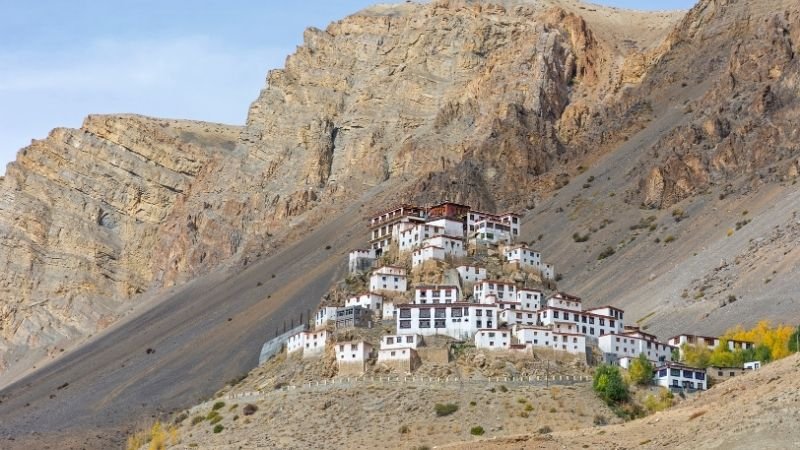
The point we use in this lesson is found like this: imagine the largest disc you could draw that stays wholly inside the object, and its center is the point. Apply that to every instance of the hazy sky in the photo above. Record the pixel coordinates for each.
(199, 59)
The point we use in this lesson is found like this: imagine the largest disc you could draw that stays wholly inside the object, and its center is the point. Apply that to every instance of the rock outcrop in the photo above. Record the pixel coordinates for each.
(744, 125)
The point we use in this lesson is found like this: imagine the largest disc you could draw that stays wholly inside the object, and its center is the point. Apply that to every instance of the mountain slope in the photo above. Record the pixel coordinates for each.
(450, 99)
(550, 107)
(756, 410)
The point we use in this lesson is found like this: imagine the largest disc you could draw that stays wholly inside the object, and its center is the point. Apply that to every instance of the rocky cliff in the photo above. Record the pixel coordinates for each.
(497, 103)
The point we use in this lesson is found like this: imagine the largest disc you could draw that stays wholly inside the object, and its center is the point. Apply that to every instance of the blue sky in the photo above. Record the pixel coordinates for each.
(198, 59)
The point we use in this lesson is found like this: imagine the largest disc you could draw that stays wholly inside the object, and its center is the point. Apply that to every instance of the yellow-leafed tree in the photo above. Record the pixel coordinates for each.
(776, 339)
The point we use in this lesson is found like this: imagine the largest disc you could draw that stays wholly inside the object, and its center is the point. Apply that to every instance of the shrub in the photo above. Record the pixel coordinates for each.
(212, 415)
(180, 418)
(660, 403)
(477, 431)
(522, 400)
(197, 419)
(545, 430)
(472, 403)
(218, 428)
(641, 371)
(529, 407)
(249, 409)
(214, 420)
(600, 420)
(606, 253)
(609, 385)
(445, 409)
(404, 429)
(577, 237)
(669, 239)
(218, 405)
(502, 388)
(553, 410)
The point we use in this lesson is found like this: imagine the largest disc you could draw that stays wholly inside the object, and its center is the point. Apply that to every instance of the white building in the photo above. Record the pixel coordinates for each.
(529, 299)
(471, 274)
(396, 341)
(546, 337)
(524, 256)
(361, 260)
(415, 236)
(589, 324)
(752, 365)
(388, 278)
(402, 359)
(493, 339)
(452, 246)
(351, 357)
(564, 301)
(311, 343)
(368, 300)
(511, 220)
(435, 294)
(388, 310)
(427, 253)
(634, 343)
(569, 342)
(534, 336)
(385, 226)
(709, 342)
(324, 316)
(501, 290)
(450, 226)
(510, 315)
(679, 376)
(548, 271)
(492, 232)
(457, 320)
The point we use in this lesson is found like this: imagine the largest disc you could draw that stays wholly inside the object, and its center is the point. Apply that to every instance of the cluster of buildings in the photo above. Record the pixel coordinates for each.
(494, 314)
(444, 231)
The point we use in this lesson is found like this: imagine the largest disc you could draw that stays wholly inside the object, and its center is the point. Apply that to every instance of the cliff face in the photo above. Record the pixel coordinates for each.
(80, 215)
(744, 126)
(492, 103)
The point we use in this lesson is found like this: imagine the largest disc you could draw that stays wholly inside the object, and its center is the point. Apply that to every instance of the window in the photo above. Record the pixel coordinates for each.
(602, 322)
(409, 339)
(662, 373)
(555, 314)
(675, 372)
(479, 312)
(389, 340)
(702, 376)
(405, 324)
(455, 312)
(439, 323)
(425, 313)
(405, 313)
(479, 324)
(424, 323)
(440, 313)
(488, 313)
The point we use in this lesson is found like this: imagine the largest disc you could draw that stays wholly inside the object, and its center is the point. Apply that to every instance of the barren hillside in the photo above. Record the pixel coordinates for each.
(669, 137)
(757, 410)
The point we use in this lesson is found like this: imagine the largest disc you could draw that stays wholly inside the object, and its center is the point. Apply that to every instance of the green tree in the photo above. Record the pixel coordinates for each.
(794, 341)
(696, 355)
(609, 385)
(641, 371)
